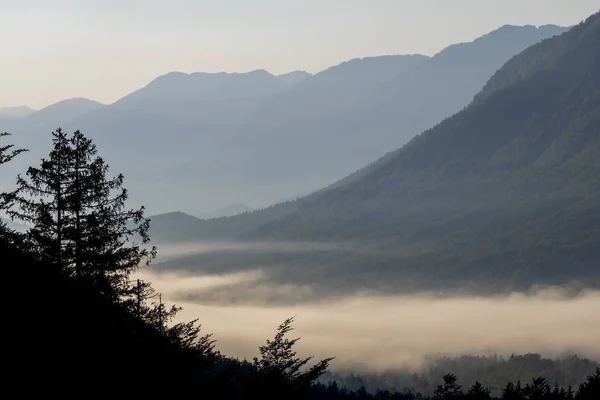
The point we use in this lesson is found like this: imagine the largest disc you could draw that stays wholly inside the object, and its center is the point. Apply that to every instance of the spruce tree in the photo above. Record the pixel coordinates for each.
(39, 201)
(102, 228)
(79, 218)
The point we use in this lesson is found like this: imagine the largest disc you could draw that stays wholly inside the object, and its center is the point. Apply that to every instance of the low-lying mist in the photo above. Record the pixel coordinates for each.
(385, 332)
(178, 250)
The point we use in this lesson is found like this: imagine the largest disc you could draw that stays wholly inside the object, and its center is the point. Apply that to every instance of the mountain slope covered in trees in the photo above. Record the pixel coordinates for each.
(501, 195)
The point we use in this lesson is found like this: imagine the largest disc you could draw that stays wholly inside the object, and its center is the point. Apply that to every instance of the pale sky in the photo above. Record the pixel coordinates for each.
(105, 49)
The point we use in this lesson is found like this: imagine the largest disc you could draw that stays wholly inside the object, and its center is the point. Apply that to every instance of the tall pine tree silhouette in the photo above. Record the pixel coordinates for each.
(102, 227)
(79, 217)
(39, 201)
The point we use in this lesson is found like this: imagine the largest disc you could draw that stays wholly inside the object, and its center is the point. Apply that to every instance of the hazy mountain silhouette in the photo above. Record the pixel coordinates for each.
(445, 84)
(35, 125)
(197, 98)
(333, 91)
(360, 110)
(502, 194)
(209, 139)
(227, 211)
(292, 78)
(16, 112)
(63, 111)
(32, 132)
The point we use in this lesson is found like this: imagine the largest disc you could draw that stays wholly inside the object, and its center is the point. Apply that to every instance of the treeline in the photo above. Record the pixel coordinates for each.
(76, 324)
(491, 371)
(450, 389)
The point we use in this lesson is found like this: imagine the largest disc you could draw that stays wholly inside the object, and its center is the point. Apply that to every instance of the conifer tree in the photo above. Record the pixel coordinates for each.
(102, 227)
(279, 368)
(79, 215)
(39, 201)
(512, 391)
(185, 335)
(449, 390)
(478, 392)
(7, 153)
(590, 389)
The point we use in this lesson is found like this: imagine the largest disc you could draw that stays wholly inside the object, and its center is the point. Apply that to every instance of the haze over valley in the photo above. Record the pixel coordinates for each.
(427, 222)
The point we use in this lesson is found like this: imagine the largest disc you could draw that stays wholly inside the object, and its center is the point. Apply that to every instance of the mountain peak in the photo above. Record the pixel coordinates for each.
(16, 111)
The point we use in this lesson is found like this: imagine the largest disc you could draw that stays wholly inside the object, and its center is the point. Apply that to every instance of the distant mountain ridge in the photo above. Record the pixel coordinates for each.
(257, 137)
(16, 112)
(227, 211)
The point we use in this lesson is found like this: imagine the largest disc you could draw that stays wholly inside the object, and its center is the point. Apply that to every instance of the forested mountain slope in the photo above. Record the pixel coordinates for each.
(509, 181)
(504, 192)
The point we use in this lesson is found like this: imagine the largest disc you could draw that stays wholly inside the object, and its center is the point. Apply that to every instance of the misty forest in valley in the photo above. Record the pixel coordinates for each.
(405, 226)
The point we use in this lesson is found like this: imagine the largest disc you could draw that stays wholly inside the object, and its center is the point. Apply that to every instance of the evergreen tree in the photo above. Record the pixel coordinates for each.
(449, 390)
(102, 227)
(183, 334)
(590, 389)
(79, 218)
(7, 153)
(538, 389)
(40, 201)
(560, 393)
(478, 392)
(512, 391)
(279, 372)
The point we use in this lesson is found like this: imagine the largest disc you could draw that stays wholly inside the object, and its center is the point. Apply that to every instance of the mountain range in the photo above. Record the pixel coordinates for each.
(502, 195)
(199, 141)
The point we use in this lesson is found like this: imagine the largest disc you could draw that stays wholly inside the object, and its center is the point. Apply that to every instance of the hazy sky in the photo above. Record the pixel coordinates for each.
(104, 49)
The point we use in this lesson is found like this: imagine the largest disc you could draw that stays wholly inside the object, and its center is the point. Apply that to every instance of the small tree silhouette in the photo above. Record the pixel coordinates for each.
(279, 370)
(478, 392)
(590, 389)
(449, 390)
(512, 391)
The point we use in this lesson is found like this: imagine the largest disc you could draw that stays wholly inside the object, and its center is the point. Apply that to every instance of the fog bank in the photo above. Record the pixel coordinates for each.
(387, 332)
